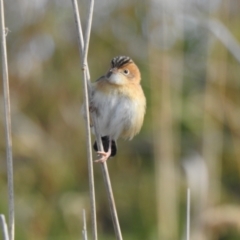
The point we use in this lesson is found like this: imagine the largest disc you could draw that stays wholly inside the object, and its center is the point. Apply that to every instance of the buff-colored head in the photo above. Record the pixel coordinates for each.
(123, 71)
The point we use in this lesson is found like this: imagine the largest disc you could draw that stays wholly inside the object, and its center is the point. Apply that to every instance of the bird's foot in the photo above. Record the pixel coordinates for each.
(103, 157)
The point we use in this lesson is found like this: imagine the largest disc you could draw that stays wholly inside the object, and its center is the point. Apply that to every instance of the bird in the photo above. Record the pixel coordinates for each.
(119, 103)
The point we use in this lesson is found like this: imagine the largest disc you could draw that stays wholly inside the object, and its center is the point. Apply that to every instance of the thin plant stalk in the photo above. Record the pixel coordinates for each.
(7, 117)
(88, 32)
(86, 76)
(3, 225)
(164, 143)
(111, 201)
(88, 130)
(84, 231)
(213, 133)
(164, 154)
(226, 37)
(188, 214)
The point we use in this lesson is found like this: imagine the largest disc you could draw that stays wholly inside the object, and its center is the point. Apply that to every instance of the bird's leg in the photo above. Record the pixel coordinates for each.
(104, 155)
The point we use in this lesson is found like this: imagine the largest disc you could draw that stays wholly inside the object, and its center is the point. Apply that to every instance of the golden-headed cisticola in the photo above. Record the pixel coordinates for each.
(119, 103)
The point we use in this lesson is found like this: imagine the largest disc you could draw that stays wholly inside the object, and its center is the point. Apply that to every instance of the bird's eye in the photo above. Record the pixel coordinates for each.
(126, 71)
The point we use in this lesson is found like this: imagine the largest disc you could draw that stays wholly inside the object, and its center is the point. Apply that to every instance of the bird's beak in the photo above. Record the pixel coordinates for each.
(111, 71)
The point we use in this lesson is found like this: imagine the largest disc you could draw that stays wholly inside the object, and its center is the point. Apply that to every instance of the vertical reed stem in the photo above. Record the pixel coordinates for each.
(83, 49)
(188, 214)
(84, 231)
(3, 225)
(88, 130)
(7, 117)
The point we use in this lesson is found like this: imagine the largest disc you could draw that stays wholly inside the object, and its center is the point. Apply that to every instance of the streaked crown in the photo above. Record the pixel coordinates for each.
(120, 61)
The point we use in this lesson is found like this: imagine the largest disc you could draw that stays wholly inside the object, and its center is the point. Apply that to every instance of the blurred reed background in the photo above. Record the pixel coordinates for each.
(189, 54)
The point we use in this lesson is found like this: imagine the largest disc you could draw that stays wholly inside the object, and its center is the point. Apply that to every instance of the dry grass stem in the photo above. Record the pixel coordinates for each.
(84, 231)
(86, 76)
(226, 37)
(7, 117)
(188, 214)
(88, 130)
(4, 227)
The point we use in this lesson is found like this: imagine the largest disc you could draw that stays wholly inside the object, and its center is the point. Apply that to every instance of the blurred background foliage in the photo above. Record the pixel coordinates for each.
(189, 54)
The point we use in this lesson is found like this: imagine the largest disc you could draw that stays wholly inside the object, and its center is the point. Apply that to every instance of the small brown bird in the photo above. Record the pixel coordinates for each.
(119, 103)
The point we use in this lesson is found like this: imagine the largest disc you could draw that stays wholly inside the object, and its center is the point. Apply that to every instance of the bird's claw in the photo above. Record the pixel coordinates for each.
(103, 157)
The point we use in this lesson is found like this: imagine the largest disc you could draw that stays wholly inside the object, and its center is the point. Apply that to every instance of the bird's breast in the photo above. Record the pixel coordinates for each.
(120, 111)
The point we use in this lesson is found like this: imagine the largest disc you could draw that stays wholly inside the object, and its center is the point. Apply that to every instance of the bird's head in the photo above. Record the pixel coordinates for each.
(123, 71)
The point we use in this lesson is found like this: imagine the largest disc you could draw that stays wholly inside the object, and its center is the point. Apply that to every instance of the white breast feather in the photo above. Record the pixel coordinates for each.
(114, 113)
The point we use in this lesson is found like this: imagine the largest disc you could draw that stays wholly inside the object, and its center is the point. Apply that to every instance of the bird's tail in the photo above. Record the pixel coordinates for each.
(105, 143)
